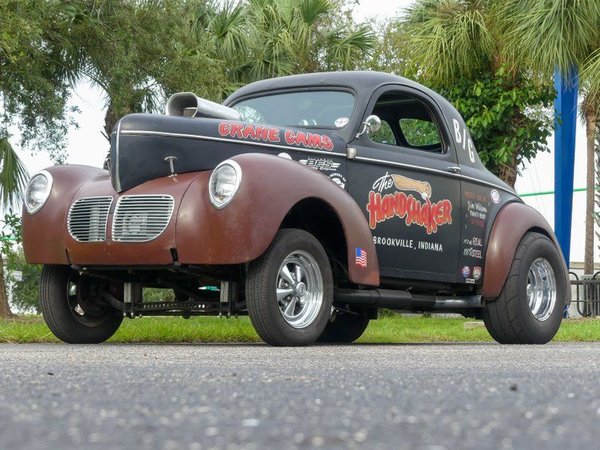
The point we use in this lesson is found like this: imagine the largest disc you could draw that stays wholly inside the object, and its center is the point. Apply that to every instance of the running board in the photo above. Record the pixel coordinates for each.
(388, 298)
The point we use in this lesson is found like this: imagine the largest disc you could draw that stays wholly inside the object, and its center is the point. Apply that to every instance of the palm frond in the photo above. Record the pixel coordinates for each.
(546, 34)
(13, 176)
(590, 76)
(448, 38)
(312, 10)
(344, 48)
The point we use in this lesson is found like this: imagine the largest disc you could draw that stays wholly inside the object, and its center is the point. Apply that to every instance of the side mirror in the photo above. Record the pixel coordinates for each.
(371, 125)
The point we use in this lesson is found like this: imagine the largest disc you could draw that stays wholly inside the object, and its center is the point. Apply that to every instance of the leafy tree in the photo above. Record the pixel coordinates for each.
(34, 89)
(456, 47)
(10, 237)
(26, 290)
(563, 34)
(140, 52)
(509, 117)
(34, 86)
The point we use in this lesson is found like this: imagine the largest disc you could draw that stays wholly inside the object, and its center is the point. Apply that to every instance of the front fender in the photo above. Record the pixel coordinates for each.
(244, 229)
(511, 224)
(43, 232)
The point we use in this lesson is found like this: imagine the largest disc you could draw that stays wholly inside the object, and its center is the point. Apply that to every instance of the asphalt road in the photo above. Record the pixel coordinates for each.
(258, 397)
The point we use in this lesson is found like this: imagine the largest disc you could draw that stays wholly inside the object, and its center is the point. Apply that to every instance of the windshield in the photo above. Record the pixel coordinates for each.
(309, 109)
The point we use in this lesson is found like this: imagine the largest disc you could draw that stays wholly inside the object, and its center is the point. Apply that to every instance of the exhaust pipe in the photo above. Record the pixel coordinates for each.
(393, 299)
(189, 105)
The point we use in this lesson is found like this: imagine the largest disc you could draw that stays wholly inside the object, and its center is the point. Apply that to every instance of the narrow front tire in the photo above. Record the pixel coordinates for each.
(70, 310)
(289, 290)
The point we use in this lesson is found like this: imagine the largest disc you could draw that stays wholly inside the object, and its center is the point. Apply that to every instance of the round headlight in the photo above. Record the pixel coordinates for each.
(224, 183)
(38, 191)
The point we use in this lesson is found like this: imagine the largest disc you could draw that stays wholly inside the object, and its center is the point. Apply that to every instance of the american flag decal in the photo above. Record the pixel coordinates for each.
(361, 258)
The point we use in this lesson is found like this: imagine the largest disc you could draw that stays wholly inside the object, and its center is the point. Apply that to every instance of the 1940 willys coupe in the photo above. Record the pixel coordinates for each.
(306, 202)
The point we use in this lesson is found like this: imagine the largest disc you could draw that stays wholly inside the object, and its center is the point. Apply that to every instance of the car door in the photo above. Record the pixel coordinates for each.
(406, 178)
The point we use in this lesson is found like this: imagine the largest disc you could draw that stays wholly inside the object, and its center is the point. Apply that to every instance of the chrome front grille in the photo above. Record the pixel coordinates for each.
(87, 219)
(141, 218)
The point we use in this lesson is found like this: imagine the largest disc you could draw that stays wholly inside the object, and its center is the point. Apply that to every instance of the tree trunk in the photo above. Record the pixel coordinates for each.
(110, 120)
(508, 172)
(590, 133)
(5, 312)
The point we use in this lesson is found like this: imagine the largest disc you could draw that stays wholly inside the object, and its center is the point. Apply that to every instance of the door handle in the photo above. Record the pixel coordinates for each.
(453, 169)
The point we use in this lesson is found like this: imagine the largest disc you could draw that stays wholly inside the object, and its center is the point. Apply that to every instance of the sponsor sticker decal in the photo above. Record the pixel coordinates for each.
(473, 253)
(495, 195)
(322, 164)
(341, 122)
(360, 258)
(466, 271)
(423, 212)
(476, 272)
(338, 179)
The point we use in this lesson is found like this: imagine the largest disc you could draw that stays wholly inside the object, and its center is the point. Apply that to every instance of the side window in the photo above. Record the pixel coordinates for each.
(419, 133)
(384, 135)
(407, 121)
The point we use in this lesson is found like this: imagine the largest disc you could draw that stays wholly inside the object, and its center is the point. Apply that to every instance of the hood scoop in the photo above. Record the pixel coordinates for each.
(188, 104)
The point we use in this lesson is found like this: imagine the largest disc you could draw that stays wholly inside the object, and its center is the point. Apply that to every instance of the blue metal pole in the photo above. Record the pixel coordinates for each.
(564, 156)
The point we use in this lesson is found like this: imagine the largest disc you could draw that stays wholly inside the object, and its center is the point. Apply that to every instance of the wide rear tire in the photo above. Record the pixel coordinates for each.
(530, 307)
(289, 290)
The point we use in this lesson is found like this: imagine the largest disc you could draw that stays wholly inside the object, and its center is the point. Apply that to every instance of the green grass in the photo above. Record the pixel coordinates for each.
(387, 330)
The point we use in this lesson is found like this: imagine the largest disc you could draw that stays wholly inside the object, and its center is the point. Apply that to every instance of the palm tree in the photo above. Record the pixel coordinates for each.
(13, 180)
(563, 34)
(459, 43)
(588, 112)
(260, 39)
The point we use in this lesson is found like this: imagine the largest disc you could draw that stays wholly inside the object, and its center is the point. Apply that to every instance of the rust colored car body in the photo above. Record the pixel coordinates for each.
(307, 202)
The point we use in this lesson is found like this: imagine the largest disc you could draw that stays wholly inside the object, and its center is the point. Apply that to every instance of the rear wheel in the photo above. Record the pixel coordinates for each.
(289, 290)
(345, 328)
(72, 309)
(529, 309)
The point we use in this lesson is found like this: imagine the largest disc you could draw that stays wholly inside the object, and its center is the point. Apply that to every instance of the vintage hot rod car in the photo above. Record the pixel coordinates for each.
(306, 202)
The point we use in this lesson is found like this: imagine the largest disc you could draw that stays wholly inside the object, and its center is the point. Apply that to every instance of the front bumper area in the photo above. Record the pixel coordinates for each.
(95, 226)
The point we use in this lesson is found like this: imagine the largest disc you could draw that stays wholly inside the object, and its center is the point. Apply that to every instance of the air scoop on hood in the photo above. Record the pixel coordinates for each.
(149, 146)
(189, 105)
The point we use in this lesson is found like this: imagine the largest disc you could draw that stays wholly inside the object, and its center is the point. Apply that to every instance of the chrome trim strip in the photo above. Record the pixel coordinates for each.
(407, 166)
(441, 172)
(117, 173)
(487, 183)
(232, 141)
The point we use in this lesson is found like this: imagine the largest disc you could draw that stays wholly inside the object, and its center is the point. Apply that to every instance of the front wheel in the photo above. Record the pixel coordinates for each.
(289, 290)
(72, 309)
(530, 307)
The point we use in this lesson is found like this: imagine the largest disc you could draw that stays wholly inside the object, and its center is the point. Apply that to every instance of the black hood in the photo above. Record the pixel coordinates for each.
(144, 145)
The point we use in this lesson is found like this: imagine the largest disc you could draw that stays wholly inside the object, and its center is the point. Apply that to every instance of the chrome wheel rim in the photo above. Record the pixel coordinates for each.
(299, 289)
(541, 289)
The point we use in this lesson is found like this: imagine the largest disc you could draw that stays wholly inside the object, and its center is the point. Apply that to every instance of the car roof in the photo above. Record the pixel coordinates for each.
(359, 81)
